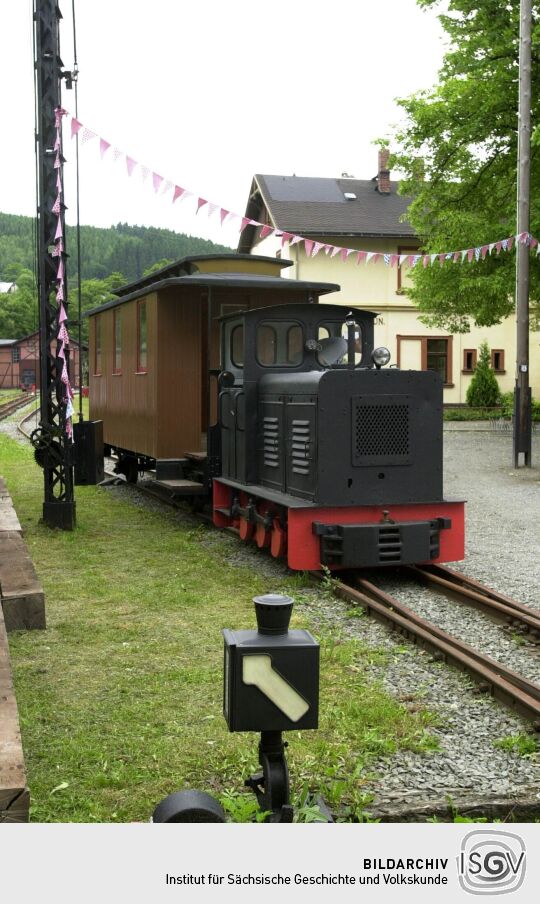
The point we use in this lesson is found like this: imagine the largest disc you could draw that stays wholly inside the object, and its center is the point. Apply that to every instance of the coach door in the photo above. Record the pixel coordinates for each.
(232, 403)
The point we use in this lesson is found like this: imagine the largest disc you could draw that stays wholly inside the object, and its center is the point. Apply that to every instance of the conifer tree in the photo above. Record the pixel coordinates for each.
(483, 391)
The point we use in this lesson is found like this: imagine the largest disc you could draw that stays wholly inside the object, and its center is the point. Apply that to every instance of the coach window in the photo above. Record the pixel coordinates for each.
(117, 341)
(97, 346)
(142, 338)
(237, 345)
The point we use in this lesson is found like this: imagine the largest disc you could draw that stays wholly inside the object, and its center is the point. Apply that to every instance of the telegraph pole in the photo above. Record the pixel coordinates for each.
(51, 440)
(522, 393)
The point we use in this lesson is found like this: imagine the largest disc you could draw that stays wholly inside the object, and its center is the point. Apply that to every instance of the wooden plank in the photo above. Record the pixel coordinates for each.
(21, 594)
(182, 487)
(14, 795)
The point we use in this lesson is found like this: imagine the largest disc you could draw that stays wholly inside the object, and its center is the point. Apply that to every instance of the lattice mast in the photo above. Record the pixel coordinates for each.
(52, 439)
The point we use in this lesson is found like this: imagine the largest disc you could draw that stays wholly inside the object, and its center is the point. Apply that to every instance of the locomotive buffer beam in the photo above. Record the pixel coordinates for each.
(387, 543)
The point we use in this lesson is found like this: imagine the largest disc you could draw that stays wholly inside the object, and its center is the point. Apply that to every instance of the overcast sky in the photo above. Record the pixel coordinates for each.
(209, 92)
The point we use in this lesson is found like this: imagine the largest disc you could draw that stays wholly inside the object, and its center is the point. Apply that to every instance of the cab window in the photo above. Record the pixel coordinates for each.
(280, 343)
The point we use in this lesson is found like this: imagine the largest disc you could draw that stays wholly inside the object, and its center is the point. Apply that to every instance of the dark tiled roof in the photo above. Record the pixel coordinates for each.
(306, 205)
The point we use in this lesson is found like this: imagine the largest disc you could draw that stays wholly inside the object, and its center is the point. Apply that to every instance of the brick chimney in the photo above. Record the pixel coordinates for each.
(383, 174)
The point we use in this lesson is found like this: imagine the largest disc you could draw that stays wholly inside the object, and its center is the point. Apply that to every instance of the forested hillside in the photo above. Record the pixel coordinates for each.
(129, 250)
(109, 258)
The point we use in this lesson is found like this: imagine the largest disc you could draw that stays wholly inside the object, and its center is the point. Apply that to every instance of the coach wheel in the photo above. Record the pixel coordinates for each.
(246, 529)
(189, 806)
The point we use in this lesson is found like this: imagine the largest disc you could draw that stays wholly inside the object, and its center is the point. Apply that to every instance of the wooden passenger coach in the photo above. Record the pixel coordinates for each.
(154, 350)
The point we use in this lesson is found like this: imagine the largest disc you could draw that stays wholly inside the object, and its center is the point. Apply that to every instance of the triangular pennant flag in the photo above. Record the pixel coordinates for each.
(470, 253)
(491, 247)
(510, 243)
(425, 260)
(534, 242)
(60, 293)
(295, 239)
(316, 248)
(62, 316)
(156, 181)
(57, 144)
(116, 154)
(455, 257)
(88, 135)
(477, 254)
(393, 260)
(58, 234)
(58, 182)
(335, 250)
(327, 248)
(103, 147)
(212, 209)
(498, 246)
(386, 258)
(200, 203)
(56, 206)
(266, 230)
(369, 255)
(244, 223)
(309, 244)
(484, 251)
(60, 274)
(57, 161)
(166, 187)
(375, 257)
(402, 259)
(58, 249)
(361, 256)
(131, 164)
(178, 192)
(60, 353)
(285, 238)
(415, 259)
(76, 126)
(433, 258)
(442, 258)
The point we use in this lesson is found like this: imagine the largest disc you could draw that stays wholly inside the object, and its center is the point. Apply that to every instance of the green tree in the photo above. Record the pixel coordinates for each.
(19, 309)
(458, 150)
(483, 390)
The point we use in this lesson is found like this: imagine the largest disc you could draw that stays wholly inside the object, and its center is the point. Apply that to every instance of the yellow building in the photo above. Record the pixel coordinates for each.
(367, 215)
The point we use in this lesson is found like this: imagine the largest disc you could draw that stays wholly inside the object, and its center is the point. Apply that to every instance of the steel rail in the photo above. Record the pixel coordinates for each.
(467, 590)
(9, 407)
(505, 685)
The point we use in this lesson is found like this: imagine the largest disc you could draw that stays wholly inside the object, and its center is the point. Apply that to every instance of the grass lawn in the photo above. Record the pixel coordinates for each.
(120, 699)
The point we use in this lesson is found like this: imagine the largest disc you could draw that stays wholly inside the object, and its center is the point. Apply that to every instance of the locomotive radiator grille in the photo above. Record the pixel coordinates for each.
(381, 431)
(300, 438)
(271, 442)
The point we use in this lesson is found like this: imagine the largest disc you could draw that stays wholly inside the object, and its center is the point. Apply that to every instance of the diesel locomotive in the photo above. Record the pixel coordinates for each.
(223, 379)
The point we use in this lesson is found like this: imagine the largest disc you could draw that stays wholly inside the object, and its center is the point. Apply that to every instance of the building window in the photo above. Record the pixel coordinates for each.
(469, 360)
(426, 353)
(437, 358)
(15, 355)
(402, 271)
(497, 360)
(142, 338)
(117, 341)
(97, 345)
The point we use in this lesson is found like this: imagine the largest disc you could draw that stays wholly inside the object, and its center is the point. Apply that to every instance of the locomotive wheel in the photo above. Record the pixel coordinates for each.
(278, 544)
(262, 536)
(246, 529)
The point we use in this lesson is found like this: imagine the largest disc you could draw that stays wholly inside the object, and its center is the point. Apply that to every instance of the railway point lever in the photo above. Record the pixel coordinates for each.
(271, 685)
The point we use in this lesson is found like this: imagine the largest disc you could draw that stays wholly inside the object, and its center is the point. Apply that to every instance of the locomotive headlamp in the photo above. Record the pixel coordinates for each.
(380, 356)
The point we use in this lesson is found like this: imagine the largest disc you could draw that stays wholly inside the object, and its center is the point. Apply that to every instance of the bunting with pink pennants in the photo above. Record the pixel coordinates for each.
(312, 248)
(58, 252)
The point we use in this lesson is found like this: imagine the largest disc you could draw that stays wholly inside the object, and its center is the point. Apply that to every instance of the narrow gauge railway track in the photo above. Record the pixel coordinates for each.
(10, 407)
(503, 683)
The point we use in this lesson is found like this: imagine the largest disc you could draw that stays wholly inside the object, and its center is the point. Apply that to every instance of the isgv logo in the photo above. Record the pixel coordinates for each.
(491, 862)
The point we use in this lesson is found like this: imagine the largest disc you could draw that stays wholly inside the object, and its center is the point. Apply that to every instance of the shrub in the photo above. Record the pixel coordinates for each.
(483, 391)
